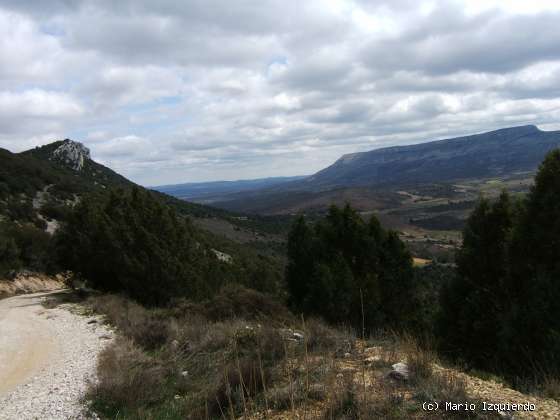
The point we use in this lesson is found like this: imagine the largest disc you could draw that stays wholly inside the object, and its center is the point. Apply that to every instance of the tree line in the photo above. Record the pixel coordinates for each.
(350, 271)
(501, 311)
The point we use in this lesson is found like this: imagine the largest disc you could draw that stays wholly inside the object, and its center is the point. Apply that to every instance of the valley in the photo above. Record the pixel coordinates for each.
(424, 191)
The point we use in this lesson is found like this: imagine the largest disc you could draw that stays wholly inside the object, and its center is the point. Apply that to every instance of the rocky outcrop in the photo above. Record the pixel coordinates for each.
(71, 154)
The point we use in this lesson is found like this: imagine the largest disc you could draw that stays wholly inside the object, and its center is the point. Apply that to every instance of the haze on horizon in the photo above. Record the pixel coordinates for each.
(181, 91)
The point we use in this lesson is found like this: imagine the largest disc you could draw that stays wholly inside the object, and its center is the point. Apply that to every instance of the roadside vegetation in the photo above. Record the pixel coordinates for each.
(209, 361)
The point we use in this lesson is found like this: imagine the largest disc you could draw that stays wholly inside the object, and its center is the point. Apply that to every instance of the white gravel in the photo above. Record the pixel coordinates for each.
(56, 388)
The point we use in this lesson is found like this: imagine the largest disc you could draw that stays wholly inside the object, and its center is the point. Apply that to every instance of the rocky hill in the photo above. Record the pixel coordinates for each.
(60, 172)
(38, 186)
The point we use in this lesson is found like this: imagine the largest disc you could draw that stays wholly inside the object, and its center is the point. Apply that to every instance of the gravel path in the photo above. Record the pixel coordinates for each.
(47, 357)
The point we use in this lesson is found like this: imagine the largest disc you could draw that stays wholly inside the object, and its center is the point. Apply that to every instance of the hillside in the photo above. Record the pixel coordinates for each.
(56, 174)
(40, 187)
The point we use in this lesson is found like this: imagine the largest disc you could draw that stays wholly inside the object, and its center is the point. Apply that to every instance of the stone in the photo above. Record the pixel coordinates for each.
(72, 154)
(399, 372)
(298, 336)
(372, 359)
(222, 256)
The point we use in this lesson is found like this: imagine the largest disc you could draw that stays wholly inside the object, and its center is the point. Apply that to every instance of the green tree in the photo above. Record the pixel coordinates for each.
(9, 254)
(476, 300)
(129, 241)
(501, 311)
(533, 330)
(343, 263)
(300, 265)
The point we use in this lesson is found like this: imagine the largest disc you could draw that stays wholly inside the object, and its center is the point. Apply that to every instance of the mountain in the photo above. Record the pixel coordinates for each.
(492, 154)
(208, 192)
(368, 176)
(39, 185)
(72, 161)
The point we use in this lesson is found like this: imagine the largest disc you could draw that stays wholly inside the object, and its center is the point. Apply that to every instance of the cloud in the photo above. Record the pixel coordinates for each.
(31, 114)
(176, 90)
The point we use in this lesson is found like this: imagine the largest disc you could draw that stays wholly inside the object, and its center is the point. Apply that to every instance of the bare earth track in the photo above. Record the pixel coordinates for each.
(47, 357)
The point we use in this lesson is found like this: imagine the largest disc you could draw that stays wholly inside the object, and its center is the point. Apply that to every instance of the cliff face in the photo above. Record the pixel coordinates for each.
(71, 154)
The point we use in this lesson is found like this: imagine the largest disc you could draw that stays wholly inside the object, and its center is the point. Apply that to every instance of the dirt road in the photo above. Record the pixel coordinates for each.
(47, 356)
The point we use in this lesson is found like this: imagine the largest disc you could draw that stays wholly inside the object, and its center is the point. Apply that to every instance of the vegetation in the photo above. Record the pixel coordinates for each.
(193, 362)
(25, 246)
(501, 311)
(347, 270)
(127, 241)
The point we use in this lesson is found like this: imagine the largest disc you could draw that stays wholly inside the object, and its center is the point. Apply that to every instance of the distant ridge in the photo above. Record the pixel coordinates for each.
(494, 154)
(490, 154)
(211, 191)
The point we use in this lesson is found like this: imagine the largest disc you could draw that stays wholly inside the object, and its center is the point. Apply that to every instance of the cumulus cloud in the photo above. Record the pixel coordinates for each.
(176, 91)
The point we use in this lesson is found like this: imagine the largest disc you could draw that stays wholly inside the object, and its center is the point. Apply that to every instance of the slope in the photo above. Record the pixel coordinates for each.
(39, 187)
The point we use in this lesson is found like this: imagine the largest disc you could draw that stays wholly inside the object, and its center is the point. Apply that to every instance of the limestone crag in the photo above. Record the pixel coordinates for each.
(72, 154)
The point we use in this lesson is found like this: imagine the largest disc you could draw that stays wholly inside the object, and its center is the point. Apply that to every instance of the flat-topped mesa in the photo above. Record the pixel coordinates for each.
(72, 154)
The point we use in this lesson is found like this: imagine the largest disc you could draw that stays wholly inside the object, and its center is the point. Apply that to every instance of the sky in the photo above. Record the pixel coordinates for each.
(173, 91)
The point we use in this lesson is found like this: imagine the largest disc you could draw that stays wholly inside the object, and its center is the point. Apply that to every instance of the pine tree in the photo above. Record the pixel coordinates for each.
(502, 312)
(300, 262)
(534, 322)
(342, 262)
(474, 303)
(130, 242)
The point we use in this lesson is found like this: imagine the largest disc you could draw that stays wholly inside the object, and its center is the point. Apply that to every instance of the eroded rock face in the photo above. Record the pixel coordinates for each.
(72, 154)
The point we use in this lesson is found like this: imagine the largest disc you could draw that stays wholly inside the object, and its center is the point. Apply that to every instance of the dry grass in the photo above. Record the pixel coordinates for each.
(550, 387)
(128, 377)
(198, 367)
(420, 360)
(149, 329)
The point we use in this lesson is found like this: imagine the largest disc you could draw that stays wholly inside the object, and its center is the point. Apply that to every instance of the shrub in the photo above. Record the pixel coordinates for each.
(25, 246)
(322, 337)
(146, 327)
(127, 378)
(127, 241)
(235, 301)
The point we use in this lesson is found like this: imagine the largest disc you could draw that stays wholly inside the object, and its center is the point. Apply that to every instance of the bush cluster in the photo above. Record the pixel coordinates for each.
(128, 241)
(25, 246)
